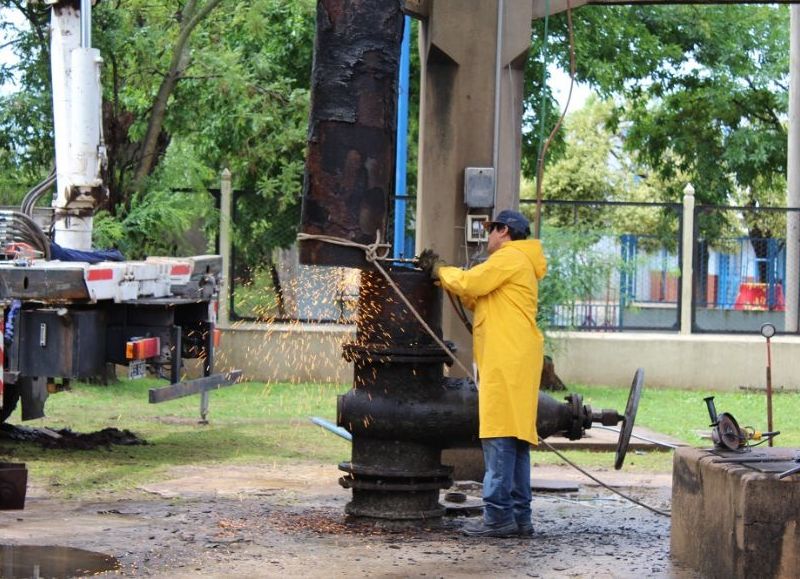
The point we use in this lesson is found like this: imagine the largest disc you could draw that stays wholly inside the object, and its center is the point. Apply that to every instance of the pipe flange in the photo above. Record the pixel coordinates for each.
(382, 354)
(350, 482)
(373, 511)
(386, 472)
(575, 403)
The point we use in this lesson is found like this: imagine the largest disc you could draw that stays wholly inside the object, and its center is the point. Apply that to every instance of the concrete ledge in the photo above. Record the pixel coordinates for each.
(729, 521)
(700, 361)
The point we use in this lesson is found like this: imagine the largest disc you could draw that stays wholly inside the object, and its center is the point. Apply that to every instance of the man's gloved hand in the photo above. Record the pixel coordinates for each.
(430, 262)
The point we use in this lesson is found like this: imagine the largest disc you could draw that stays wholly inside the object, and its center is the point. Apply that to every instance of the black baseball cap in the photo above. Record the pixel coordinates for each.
(514, 220)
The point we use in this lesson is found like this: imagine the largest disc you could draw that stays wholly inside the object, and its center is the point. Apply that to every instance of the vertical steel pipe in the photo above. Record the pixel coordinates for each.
(349, 175)
(86, 23)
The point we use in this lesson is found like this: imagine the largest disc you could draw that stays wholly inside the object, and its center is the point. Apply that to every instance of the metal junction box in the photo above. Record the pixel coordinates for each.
(61, 342)
(479, 187)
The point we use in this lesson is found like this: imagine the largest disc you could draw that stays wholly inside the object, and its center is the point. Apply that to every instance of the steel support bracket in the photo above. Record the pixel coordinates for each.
(197, 386)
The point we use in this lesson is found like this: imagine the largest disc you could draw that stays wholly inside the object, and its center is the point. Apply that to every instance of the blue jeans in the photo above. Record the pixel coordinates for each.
(507, 483)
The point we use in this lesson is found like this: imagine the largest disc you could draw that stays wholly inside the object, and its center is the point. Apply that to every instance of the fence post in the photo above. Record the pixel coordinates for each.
(792, 273)
(687, 266)
(226, 203)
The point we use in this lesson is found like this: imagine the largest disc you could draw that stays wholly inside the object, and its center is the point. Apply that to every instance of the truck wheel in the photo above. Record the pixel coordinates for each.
(10, 399)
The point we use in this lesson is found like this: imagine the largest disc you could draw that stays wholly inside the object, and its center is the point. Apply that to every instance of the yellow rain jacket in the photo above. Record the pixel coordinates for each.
(503, 292)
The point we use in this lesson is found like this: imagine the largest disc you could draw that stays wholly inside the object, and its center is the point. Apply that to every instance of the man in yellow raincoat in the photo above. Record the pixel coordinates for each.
(508, 348)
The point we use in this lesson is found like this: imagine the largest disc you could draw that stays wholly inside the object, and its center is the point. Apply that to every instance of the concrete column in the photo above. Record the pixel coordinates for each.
(458, 53)
(687, 259)
(792, 281)
(225, 212)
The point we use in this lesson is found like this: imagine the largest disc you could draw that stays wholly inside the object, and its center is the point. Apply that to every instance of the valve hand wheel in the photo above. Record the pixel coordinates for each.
(629, 417)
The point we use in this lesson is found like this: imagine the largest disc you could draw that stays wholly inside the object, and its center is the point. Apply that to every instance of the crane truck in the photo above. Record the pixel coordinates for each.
(67, 312)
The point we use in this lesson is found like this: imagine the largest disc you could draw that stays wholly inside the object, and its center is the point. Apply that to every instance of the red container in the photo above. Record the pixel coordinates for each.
(753, 296)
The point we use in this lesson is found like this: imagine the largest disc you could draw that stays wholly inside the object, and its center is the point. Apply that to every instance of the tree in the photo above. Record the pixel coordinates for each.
(188, 89)
(703, 88)
(26, 148)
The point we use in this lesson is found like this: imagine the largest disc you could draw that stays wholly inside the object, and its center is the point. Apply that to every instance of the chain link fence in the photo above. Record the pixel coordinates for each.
(741, 269)
(612, 266)
(280, 289)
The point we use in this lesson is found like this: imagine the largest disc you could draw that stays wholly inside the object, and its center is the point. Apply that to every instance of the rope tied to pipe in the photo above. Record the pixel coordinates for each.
(372, 255)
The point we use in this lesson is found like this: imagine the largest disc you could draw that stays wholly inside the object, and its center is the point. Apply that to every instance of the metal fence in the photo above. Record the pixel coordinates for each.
(279, 288)
(612, 266)
(740, 279)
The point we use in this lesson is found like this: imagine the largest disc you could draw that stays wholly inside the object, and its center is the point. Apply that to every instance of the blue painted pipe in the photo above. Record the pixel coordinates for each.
(337, 430)
(401, 160)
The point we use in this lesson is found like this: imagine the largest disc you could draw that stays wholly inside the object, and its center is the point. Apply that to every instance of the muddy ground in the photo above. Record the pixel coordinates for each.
(289, 522)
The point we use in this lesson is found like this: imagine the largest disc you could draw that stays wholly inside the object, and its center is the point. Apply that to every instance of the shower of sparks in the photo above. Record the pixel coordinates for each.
(293, 347)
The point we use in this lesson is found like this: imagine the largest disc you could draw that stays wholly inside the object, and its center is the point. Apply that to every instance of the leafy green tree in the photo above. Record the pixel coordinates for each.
(703, 88)
(26, 125)
(189, 88)
(702, 91)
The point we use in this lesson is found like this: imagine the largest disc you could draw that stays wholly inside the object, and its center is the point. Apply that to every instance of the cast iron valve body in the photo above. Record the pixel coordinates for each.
(402, 411)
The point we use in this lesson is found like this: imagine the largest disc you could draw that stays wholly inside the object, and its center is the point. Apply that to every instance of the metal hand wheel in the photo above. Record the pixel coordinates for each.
(629, 417)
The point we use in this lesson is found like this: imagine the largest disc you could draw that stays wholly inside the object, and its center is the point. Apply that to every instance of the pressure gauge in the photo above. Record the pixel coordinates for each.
(767, 330)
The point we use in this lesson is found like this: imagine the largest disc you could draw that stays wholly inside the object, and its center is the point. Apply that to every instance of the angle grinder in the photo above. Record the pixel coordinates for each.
(726, 432)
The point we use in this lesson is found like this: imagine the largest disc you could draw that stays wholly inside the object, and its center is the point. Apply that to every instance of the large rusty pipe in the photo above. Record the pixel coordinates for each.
(349, 174)
(445, 415)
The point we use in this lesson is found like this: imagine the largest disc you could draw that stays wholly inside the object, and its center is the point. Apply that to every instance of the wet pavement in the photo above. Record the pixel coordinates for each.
(290, 522)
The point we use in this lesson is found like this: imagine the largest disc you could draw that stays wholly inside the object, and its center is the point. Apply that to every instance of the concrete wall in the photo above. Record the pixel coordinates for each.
(699, 361)
(312, 353)
(730, 522)
(287, 352)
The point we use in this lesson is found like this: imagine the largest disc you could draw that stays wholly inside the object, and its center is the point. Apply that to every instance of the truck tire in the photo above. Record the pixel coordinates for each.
(10, 399)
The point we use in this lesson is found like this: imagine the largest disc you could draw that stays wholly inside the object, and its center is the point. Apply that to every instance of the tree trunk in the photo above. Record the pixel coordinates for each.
(190, 18)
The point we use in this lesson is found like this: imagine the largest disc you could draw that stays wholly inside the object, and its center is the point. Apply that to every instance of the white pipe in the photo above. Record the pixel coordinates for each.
(498, 71)
(64, 38)
(86, 23)
(687, 267)
(77, 104)
(85, 120)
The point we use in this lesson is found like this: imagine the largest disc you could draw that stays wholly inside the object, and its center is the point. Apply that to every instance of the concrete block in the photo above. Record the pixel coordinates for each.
(729, 521)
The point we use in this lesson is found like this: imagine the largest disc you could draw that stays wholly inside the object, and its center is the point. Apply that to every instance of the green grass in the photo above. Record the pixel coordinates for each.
(250, 423)
(262, 424)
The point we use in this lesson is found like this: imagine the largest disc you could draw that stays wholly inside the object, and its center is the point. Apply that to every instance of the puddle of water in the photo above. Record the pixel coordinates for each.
(18, 561)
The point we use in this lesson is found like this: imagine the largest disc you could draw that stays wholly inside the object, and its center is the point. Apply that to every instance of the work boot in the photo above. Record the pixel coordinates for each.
(481, 529)
(525, 529)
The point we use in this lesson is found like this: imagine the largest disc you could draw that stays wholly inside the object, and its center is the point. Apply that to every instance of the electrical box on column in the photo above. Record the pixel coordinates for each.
(479, 187)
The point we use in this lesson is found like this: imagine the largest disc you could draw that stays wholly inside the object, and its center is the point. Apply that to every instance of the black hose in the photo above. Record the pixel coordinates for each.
(36, 193)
